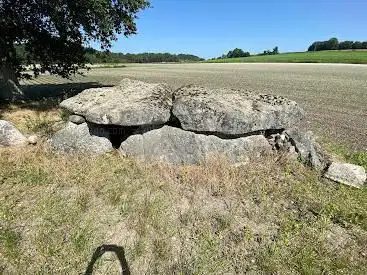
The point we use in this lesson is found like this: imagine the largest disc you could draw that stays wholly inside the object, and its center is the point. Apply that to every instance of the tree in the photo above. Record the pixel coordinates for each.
(237, 53)
(314, 47)
(53, 34)
(346, 45)
(276, 50)
(357, 45)
(332, 44)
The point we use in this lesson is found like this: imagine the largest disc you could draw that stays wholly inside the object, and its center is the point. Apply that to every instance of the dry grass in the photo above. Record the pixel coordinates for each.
(273, 216)
(43, 122)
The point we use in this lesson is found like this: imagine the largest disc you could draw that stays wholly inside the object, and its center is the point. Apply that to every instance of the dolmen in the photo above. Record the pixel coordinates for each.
(151, 122)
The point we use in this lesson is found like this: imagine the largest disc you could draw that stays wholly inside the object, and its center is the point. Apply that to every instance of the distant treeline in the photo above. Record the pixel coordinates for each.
(241, 53)
(95, 56)
(334, 44)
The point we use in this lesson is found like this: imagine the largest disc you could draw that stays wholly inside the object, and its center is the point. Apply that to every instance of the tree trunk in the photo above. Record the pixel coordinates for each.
(9, 84)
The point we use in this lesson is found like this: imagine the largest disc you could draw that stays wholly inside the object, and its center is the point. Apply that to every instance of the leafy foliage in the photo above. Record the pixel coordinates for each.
(237, 53)
(268, 52)
(333, 44)
(52, 32)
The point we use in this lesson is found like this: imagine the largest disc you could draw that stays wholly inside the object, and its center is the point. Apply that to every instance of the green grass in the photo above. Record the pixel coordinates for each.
(342, 151)
(352, 57)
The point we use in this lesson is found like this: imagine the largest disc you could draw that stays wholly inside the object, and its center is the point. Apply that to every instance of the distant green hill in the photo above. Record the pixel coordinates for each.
(351, 57)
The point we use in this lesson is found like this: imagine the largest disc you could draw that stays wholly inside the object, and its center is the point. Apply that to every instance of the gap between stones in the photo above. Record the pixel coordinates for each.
(117, 134)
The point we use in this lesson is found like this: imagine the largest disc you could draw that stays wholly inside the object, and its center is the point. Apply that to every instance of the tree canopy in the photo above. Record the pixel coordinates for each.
(237, 53)
(54, 32)
(334, 44)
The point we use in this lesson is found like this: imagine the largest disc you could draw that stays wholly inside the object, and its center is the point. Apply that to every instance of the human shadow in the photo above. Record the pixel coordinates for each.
(118, 250)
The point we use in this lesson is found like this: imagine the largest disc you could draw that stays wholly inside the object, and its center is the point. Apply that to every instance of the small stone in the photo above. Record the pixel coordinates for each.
(33, 140)
(9, 135)
(349, 174)
(76, 119)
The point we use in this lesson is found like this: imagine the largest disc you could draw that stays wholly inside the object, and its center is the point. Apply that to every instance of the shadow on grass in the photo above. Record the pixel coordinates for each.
(43, 97)
(119, 252)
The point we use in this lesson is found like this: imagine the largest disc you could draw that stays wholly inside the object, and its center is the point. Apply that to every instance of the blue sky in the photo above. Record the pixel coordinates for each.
(209, 28)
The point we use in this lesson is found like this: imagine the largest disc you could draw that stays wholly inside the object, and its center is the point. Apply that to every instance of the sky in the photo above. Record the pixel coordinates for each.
(210, 28)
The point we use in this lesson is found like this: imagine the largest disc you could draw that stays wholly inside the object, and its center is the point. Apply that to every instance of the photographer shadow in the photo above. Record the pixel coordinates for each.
(118, 250)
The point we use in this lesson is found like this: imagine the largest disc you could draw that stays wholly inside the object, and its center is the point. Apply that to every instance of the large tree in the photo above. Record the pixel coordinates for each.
(52, 34)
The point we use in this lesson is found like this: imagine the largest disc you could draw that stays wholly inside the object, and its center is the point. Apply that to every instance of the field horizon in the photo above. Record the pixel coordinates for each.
(333, 56)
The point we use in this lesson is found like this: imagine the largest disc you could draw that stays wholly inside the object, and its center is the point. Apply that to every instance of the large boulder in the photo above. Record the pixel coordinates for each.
(9, 135)
(131, 103)
(307, 148)
(177, 146)
(232, 112)
(78, 138)
(349, 174)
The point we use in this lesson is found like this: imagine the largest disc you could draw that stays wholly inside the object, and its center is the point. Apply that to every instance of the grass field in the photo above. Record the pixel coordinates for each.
(271, 216)
(349, 57)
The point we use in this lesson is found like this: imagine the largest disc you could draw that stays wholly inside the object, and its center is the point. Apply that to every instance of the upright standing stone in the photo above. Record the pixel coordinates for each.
(77, 138)
(177, 146)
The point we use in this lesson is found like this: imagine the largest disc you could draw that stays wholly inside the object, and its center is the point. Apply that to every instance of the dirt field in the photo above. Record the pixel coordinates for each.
(334, 96)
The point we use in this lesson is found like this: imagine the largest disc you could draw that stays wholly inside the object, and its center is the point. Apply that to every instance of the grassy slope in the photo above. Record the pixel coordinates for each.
(273, 216)
(353, 57)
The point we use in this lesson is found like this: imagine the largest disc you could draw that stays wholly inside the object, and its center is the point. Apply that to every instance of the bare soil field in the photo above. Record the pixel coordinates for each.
(334, 95)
